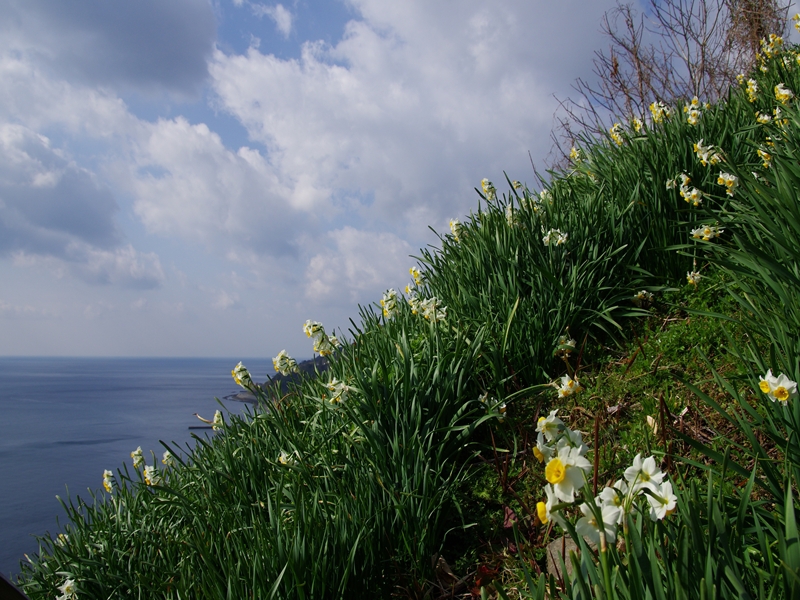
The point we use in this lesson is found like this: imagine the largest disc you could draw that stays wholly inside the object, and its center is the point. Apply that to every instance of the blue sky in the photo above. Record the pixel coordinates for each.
(195, 178)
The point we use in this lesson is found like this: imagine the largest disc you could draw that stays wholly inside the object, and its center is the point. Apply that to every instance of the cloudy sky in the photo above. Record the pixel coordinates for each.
(199, 177)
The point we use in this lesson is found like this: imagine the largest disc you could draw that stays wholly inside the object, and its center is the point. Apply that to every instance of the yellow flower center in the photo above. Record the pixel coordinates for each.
(541, 510)
(781, 393)
(555, 471)
(538, 454)
(644, 476)
(764, 386)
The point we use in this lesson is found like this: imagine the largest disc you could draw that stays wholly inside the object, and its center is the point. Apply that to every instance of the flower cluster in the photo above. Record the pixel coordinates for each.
(616, 134)
(763, 118)
(324, 344)
(693, 111)
(729, 181)
(777, 115)
(430, 308)
(241, 376)
(286, 459)
(771, 46)
(511, 216)
(415, 274)
(554, 237)
(783, 94)
(565, 346)
(138, 457)
(659, 111)
(707, 232)
(151, 475)
(284, 364)
(765, 156)
(637, 124)
(338, 389)
(455, 229)
(796, 20)
(566, 471)
(690, 194)
(575, 154)
(706, 154)
(488, 189)
(108, 481)
(568, 387)
(168, 459)
(778, 388)
(693, 277)
(218, 422)
(389, 304)
(752, 90)
(69, 590)
(643, 298)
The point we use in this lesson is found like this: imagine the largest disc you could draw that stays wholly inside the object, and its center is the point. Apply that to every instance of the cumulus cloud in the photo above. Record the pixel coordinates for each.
(278, 13)
(356, 265)
(148, 45)
(402, 118)
(47, 202)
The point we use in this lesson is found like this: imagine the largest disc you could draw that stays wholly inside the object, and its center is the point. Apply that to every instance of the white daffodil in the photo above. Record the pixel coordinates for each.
(542, 451)
(286, 459)
(693, 277)
(575, 154)
(778, 388)
(488, 189)
(567, 472)
(338, 389)
(551, 426)
(241, 376)
(313, 329)
(284, 364)
(766, 157)
(554, 237)
(108, 481)
(168, 460)
(573, 439)
(218, 421)
(588, 527)
(566, 345)
(662, 501)
(569, 386)
(707, 232)
(138, 457)
(729, 181)
(752, 90)
(636, 122)
(644, 473)
(69, 590)
(62, 540)
(659, 111)
(616, 134)
(455, 230)
(511, 216)
(151, 476)
(783, 94)
(544, 509)
(763, 118)
(706, 154)
(389, 304)
(617, 496)
(642, 298)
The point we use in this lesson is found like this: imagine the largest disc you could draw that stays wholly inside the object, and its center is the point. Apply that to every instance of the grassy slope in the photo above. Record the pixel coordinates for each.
(375, 482)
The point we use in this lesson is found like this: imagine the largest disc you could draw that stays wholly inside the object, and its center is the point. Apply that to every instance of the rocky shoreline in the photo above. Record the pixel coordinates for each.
(307, 368)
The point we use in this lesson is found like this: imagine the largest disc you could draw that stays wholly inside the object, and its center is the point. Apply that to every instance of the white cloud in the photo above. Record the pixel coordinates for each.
(278, 13)
(357, 265)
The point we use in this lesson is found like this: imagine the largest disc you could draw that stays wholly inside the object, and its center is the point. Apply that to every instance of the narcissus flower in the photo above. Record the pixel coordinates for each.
(693, 277)
(636, 123)
(778, 388)
(313, 329)
(338, 391)
(566, 472)
(286, 459)
(575, 154)
(642, 298)
(616, 134)
(241, 376)
(555, 237)
(168, 459)
(659, 111)
(763, 118)
(707, 232)
(662, 501)
(752, 90)
(455, 230)
(568, 387)
(488, 189)
(766, 157)
(544, 509)
(550, 425)
(644, 473)
(796, 20)
(729, 181)
(151, 476)
(284, 364)
(218, 421)
(588, 527)
(389, 303)
(69, 590)
(771, 46)
(783, 94)
(415, 274)
(138, 457)
(706, 154)
(511, 216)
(108, 481)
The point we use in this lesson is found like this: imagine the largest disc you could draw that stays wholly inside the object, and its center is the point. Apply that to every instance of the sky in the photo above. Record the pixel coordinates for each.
(200, 177)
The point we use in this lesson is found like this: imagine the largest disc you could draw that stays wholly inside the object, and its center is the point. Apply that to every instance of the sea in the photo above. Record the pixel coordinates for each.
(63, 421)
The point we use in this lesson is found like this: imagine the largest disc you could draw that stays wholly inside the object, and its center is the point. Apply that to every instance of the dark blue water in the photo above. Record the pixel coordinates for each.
(64, 420)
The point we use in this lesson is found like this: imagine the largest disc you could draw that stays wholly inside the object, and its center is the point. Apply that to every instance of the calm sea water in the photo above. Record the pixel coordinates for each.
(64, 420)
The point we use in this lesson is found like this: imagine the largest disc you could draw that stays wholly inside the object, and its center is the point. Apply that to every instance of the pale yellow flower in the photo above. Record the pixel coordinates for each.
(783, 94)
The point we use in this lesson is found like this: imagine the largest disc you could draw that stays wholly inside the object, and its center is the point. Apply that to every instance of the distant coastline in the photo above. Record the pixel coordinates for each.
(306, 368)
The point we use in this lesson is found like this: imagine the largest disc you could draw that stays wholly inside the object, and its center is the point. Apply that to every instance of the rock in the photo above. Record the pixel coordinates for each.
(555, 548)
